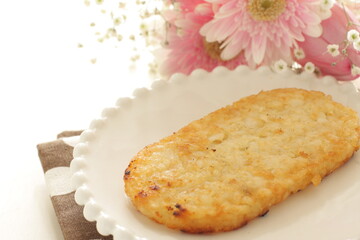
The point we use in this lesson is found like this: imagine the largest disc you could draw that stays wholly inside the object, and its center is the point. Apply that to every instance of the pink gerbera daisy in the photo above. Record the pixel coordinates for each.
(187, 50)
(265, 30)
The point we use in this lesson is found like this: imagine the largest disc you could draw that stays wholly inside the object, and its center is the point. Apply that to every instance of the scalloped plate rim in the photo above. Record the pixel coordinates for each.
(106, 225)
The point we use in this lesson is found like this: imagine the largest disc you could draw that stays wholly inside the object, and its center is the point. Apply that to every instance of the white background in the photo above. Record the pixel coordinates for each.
(47, 85)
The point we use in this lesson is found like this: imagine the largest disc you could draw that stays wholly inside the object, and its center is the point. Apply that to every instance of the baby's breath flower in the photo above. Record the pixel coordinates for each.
(111, 32)
(299, 53)
(356, 45)
(327, 4)
(309, 67)
(99, 1)
(122, 5)
(117, 21)
(180, 32)
(177, 6)
(353, 35)
(333, 49)
(280, 66)
(355, 70)
(135, 57)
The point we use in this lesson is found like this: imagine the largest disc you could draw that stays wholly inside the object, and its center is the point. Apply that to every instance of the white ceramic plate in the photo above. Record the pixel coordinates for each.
(330, 211)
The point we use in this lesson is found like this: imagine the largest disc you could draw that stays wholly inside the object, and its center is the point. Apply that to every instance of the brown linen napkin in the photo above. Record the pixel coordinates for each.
(55, 157)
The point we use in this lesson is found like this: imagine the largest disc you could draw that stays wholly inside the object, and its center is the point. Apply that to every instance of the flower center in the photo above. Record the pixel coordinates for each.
(266, 10)
(213, 49)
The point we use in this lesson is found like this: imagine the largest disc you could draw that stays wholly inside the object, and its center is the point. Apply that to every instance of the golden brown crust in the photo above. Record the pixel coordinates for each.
(225, 169)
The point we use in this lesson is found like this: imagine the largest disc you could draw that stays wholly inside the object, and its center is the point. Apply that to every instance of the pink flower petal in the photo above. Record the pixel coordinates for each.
(231, 48)
(313, 30)
(258, 46)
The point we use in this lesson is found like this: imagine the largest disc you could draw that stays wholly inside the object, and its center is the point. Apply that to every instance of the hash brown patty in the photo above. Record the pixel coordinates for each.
(225, 169)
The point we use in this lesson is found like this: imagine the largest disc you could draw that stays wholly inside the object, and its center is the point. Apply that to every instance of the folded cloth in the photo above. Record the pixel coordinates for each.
(55, 157)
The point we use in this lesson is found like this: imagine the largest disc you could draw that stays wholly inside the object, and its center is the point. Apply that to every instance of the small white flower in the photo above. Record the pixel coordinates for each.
(180, 32)
(356, 45)
(299, 53)
(355, 70)
(327, 4)
(280, 66)
(117, 21)
(333, 49)
(177, 6)
(353, 35)
(309, 67)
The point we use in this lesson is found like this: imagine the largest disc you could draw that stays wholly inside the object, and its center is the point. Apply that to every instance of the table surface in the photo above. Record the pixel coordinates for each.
(47, 85)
